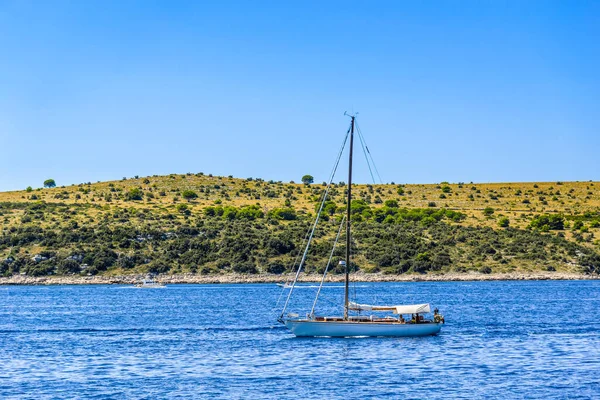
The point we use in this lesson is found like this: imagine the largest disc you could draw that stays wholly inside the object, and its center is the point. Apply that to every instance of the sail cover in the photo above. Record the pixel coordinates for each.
(401, 309)
(413, 309)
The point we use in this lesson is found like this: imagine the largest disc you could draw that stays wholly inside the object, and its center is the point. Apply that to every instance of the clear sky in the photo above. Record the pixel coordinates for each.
(483, 91)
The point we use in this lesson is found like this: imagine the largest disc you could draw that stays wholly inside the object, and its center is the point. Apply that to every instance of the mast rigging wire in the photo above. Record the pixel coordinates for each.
(362, 143)
(312, 311)
(366, 148)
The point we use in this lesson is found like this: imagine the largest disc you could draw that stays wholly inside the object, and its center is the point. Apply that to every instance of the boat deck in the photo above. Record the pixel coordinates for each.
(387, 320)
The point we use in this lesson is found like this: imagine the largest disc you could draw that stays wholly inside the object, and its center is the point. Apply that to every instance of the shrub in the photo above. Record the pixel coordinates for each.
(503, 222)
(189, 195)
(488, 211)
(230, 213)
(329, 208)
(286, 214)
(250, 212)
(276, 267)
(213, 211)
(104, 259)
(68, 267)
(245, 268)
(135, 194)
(548, 222)
(358, 206)
(183, 209)
(391, 204)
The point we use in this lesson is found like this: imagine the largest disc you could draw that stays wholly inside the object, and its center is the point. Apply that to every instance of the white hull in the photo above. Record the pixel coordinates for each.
(304, 328)
(151, 286)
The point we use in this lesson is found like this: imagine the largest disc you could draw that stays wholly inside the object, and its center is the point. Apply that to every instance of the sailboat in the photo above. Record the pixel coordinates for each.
(348, 325)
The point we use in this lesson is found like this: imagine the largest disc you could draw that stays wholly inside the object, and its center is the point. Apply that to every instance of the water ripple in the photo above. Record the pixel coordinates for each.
(501, 340)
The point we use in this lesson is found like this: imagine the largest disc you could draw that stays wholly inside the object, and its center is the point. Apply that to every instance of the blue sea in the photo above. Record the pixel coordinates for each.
(534, 339)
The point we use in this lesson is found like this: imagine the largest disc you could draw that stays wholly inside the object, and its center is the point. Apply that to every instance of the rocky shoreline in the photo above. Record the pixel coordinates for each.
(272, 278)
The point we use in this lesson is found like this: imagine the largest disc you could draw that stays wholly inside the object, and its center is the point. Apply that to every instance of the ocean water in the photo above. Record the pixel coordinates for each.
(501, 340)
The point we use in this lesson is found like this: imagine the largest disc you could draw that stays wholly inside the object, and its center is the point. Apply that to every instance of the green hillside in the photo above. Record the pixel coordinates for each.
(216, 225)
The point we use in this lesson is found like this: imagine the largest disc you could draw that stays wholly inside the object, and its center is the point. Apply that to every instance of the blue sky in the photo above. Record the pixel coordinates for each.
(483, 91)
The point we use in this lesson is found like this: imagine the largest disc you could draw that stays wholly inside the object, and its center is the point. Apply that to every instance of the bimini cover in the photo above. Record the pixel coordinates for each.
(413, 309)
(403, 309)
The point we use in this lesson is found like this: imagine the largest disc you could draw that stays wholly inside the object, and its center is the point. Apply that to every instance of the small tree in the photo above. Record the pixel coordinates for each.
(135, 194)
(503, 222)
(68, 267)
(189, 195)
(29, 189)
(49, 183)
(307, 179)
(391, 203)
(287, 214)
(276, 267)
(548, 222)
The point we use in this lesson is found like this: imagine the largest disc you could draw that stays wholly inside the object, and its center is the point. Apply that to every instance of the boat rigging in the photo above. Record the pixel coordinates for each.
(357, 325)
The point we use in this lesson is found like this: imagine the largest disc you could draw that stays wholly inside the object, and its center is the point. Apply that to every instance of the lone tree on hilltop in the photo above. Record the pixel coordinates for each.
(307, 179)
(189, 195)
(49, 183)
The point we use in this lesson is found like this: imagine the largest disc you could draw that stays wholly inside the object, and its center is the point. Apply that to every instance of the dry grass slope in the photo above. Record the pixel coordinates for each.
(517, 201)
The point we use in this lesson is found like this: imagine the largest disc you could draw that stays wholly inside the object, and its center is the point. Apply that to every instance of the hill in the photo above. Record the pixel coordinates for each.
(218, 225)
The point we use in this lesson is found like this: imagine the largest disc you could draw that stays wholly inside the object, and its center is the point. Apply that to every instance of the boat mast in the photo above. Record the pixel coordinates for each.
(349, 200)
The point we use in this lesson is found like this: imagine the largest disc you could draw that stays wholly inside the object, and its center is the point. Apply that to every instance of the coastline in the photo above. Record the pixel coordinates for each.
(272, 278)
